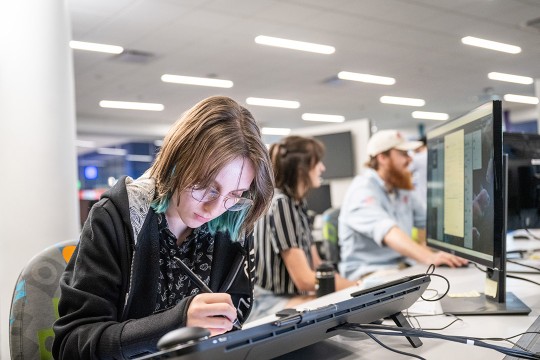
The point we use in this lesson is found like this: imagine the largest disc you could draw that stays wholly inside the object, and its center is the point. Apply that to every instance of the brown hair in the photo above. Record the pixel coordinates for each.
(209, 135)
(373, 162)
(292, 159)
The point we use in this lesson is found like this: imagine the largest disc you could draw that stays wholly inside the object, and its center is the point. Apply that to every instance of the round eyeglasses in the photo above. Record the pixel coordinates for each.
(230, 203)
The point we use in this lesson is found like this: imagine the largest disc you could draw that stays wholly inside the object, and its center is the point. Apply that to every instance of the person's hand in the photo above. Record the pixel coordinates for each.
(443, 258)
(214, 312)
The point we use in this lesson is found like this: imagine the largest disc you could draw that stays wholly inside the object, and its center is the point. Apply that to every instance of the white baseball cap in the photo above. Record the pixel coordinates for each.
(385, 140)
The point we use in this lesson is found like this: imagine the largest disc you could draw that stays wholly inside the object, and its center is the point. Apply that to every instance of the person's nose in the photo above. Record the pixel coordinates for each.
(212, 208)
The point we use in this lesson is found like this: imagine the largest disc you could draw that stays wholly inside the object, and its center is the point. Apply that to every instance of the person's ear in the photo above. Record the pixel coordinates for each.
(383, 158)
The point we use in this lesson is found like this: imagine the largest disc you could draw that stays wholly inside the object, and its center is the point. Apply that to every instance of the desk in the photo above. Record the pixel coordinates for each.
(461, 280)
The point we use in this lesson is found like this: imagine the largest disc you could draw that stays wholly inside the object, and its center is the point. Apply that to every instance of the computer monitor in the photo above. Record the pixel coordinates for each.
(319, 199)
(523, 197)
(466, 204)
(339, 155)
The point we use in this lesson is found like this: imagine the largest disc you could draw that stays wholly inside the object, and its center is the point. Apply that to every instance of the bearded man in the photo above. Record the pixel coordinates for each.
(380, 210)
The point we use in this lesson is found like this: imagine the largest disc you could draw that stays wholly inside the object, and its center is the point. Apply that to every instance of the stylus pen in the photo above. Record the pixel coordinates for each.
(202, 286)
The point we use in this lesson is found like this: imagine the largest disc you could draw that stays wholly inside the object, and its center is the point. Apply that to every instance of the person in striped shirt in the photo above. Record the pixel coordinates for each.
(285, 253)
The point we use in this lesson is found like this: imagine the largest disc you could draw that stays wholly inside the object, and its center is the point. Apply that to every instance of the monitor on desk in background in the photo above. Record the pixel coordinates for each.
(523, 197)
(339, 155)
(319, 199)
(466, 204)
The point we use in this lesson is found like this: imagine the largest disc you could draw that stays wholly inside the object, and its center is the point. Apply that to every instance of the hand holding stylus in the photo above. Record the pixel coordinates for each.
(213, 311)
(201, 311)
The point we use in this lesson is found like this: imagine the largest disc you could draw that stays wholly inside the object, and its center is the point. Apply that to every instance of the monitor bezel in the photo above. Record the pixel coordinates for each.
(498, 259)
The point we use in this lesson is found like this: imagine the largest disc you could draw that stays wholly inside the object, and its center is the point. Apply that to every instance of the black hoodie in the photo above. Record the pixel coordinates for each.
(109, 288)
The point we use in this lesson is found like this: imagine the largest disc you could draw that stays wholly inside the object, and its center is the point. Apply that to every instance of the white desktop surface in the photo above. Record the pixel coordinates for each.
(462, 280)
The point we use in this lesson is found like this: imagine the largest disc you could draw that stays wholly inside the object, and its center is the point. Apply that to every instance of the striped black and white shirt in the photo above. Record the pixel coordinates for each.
(284, 226)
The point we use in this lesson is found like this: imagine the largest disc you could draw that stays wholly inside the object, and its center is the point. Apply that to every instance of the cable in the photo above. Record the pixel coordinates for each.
(415, 317)
(431, 272)
(510, 276)
(520, 278)
(532, 235)
(524, 265)
(397, 331)
(391, 349)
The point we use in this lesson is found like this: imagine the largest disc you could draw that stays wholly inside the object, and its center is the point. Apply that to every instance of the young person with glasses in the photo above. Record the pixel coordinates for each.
(286, 255)
(124, 287)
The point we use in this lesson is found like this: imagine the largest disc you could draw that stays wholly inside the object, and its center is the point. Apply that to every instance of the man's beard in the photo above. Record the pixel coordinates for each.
(399, 178)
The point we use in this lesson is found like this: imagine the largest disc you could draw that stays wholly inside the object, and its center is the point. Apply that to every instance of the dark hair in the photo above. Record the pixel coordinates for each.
(209, 135)
(292, 159)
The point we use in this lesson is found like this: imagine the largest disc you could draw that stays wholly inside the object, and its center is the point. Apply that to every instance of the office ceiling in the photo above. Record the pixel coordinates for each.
(417, 42)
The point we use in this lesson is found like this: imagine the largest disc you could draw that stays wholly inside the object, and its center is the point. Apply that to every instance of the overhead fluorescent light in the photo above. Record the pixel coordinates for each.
(139, 158)
(275, 131)
(492, 45)
(191, 80)
(402, 101)
(288, 104)
(85, 143)
(109, 49)
(367, 78)
(128, 105)
(112, 151)
(510, 78)
(295, 45)
(521, 99)
(429, 115)
(323, 117)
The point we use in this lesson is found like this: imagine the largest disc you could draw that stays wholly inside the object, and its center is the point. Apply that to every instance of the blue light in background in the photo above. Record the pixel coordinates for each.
(90, 172)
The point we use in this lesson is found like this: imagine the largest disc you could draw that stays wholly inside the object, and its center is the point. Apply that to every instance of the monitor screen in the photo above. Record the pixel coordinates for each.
(465, 192)
(339, 155)
(523, 196)
(466, 204)
(319, 199)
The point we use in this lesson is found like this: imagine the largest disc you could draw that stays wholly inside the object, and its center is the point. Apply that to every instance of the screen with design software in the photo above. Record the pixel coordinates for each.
(461, 186)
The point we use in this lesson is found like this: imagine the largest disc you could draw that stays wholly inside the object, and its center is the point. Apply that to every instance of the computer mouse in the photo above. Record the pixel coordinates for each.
(181, 336)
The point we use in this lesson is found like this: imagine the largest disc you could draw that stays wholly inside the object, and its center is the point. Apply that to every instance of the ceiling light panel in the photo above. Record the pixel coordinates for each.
(367, 78)
(323, 117)
(275, 131)
(128, 105)
(429, 115)
(525, 80)
(191, 80)
(521, 99)
(492, 45)
(394, 100)
(295, 45)
(288, 104)
(104, 48)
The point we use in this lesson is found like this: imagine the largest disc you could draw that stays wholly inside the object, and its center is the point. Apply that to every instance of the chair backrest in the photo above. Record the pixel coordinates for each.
(34, 306)
(330, 233)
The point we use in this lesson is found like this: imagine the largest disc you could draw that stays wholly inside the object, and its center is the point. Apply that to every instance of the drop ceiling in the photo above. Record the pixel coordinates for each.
(417, 42)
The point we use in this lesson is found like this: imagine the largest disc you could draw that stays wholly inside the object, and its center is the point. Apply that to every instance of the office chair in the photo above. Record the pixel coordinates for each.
(34, 306)
(330, 234)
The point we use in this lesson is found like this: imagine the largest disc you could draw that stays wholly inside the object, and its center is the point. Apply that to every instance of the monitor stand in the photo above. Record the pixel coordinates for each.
(482, 305)
(499, 302)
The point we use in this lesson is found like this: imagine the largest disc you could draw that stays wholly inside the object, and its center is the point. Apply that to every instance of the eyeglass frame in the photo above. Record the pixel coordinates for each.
(245, 202)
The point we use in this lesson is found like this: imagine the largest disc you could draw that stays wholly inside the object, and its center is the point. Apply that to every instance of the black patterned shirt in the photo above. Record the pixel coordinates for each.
(196, 252)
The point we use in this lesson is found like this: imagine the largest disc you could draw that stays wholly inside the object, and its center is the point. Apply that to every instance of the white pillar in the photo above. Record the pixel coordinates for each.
(38, 176)
(537, 94)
